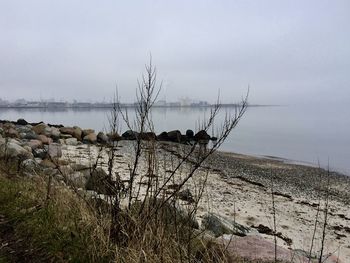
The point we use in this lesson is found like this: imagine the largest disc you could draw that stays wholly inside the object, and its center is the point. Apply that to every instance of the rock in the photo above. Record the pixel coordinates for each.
(186, 195)
(12, 133)
(214, 138)
(184, 139)
(35, 144)
(87, 132)
(22, 122)
(72, 141)
(67, 130)
(55, 150)
(257, 249)
(190, 134)
(52, 132)
(220, 226)
(99, 182)
(13, 150)
(130, 135)
(29, 165)
(66, 136)
(77, 179)
(25, 129)
(44, 139)
(163, 137)
(148, 136)
(102, 138)
(77, 133)
(40, 128)
(48, 164)
(40, 153)
(114, 136)
(90, 138)
(29, 136)
(202, 136)
(2, 131)
(174, 136)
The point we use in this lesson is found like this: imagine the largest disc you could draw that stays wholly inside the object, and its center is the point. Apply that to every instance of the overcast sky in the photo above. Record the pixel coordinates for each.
(288, 52)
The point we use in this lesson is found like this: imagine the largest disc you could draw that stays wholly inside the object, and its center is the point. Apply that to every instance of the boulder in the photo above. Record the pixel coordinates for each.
(67, 130)
(12, 133)
(174, 136)
(202, 136)
(219, 226)
(78, 133)
(55, 150)
(148, 136)
(114, 136)
(22, 122)
(87, 132)
(13, 150)
(35, 144)
(90, 138)
(190, 134)
(29, 165)
(99, 182)
(186, 195)
(40, 153)
(40, 128)
(29, 136)
(25, 129)
(163, 137)
(52, 132)
(48, 164)
(65, 136)
(72, 141)
(102, 138)
(44, 139)
(130, 135)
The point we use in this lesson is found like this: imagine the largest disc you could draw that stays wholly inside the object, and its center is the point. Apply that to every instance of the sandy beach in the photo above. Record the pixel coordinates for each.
(239, 187)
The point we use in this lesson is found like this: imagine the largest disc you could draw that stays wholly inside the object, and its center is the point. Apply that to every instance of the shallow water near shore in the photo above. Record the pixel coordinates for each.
(299, 134)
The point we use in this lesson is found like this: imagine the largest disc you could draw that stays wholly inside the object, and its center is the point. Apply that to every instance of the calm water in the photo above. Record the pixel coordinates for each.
(306, 134)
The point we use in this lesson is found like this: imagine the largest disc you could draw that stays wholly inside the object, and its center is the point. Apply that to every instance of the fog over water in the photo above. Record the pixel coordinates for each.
(293, 53)
(305, 134)
(289, 52)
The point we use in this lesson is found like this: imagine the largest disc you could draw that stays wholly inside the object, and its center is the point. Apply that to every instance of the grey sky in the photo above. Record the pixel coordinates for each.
(287, 51)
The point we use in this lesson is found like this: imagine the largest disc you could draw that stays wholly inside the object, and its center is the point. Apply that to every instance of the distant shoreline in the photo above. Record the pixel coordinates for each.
(109, 106)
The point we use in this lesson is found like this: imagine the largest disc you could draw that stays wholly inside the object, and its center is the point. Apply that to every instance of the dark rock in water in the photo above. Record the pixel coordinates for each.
(174, 136)
(214, 138)
(22, 122)
(190, 134)
(220, 226)
(202, 136)
(130, 135)
(148, 136)
(99, 182)
(102, 138)
(163, 136)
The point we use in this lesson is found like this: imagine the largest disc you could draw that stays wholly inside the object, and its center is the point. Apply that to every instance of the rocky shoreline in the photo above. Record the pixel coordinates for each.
(238, 185)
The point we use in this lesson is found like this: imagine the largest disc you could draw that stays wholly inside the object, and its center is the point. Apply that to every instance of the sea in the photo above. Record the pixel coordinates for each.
(305, 134)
